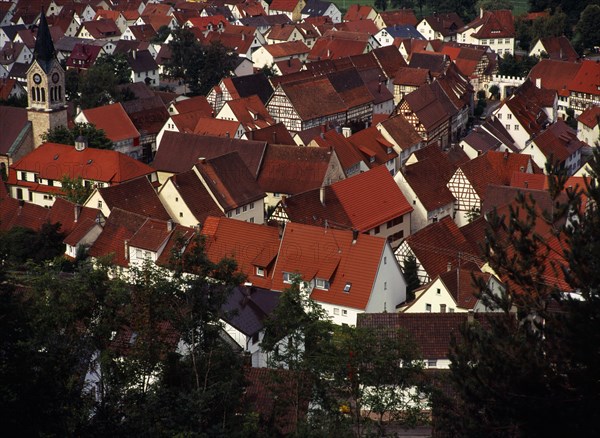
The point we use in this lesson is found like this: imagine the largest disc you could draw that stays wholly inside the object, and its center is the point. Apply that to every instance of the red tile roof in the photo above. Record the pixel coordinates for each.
(283, 5)
(334, 255)
(287, 49)
(195, 196)
(119, 227)
(559, 141)
(152, 235)
(566, 77)
(250, 245)
(425, 244)
(136, 196)
(494, 168)
(229, 181)
(559, 48)
(53, 161)
(179, 152)
(195, 104)
(400, 16)
(373, 145)
(251, 112)
(293, 169)
(314, 99)
(382, 199)
(358, 12)
(401, 131)
(69, 215)
(348, 155)
(113, 120)
(494, 24)
(590, 117)
(432, 332)
(461, 286)
(216, 127)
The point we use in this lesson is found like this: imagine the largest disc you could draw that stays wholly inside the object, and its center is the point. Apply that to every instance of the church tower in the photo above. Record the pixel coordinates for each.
(47, 107)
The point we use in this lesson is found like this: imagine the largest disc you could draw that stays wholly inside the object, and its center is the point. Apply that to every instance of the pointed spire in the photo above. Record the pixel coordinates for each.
(44, 47)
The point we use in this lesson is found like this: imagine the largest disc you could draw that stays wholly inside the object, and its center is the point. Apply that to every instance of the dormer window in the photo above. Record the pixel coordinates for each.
(347, 287)
(321, 283)
(261, 272)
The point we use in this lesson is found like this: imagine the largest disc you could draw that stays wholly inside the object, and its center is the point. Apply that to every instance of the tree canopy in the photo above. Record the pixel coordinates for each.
(531, 369)
(199, 67)
(95, 138)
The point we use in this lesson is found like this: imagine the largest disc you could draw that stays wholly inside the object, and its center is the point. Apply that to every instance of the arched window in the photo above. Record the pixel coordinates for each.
(52, 94)
(37, 94)
(33, 94)
(43, 95)
(59, 92)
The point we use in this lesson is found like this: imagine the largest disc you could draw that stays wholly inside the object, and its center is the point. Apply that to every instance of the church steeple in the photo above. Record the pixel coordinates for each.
(45, 85)
(44, 52)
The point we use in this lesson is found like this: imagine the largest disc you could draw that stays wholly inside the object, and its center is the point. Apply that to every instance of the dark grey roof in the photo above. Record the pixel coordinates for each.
(141, 61)
(247, 308)
(265, 20)
(404, 31)
(315, 8)
(256, 84)
(44, 52)
(11, 31)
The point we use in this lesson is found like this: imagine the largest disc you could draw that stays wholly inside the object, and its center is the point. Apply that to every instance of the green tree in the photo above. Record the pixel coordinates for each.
(410, 271)
(380, 5)
(20, 244)
(98, 85)
(161, 35)
(95, 138)
(199, 67)
(492, 5)
(531, 369)
(511, 65)
(74, 189)
(587, 31)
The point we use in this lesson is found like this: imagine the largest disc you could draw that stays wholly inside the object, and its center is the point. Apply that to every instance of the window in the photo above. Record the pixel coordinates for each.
(51, 182)
(181, 214)
(260, 271)
(287, 277)
(376, 230)
(237, 211)
(336, 311)
(252, 206)
(509, 116)
(442, 308)
(395, 222)
(147, 255)
(100, 204)
(19, 193)
(451, 310)
(438, 291)
(385, 285)
(427, 307)
(138, 253)
(251, 220)
(507, 127)
(507, 41)
(24, 176)
(276, 195)
(344, 312)
(228, 214)
(431, 363)
(499, 116)
(321, 283)
(384, 260)
(176, 199)
(516, 127)
(347, 287)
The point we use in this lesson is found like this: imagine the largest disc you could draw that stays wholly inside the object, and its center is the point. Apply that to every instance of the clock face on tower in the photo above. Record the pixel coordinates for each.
(55, 78)
(37, 78)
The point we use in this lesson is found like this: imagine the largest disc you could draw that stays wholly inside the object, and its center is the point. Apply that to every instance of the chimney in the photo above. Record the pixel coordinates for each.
(538, 82)
(133, 54)
(322, 195)
(283, 199)
(354, 236)
(449, 267)
(126, 245)
(77, 211)
(227, 134)
(480, 12)
(470, 316)
(170, 225)
(346, 131)
(506, 154)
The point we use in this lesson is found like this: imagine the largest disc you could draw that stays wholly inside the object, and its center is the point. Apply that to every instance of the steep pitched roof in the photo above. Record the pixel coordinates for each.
(251, 245)
(273, 134)
(461, 286)
(342, 258)
(251, 112)
(247, 308)
(373, 145)
(348, 155)
(44, 52)
(70, 215)
(431, 186)
(119, 227)
(590, 117)
(137, 196)
(559, 48)
(381, 198)
(179, 152)
(493, 24)
(431, 105)
(195, 196)
(559, 141)
(425, 244)
(255, 84)
(53, 161)
(555, 75)
(313, 99)
(293, 169)
(400, 16)
(229, 180)
(494, 168)
(401, 131)
(289, 48)
(113, 120)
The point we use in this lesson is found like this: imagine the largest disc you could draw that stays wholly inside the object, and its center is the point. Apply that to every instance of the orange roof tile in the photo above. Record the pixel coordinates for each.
(334, 255)
(53, 161)
(113, 120)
